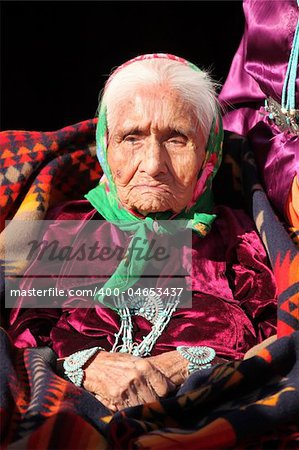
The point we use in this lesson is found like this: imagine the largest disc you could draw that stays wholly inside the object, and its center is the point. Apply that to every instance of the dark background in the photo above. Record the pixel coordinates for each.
(55, 56)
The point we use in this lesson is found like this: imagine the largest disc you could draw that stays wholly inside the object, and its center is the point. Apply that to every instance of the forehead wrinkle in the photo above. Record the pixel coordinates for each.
(159, 111)
(159, 121)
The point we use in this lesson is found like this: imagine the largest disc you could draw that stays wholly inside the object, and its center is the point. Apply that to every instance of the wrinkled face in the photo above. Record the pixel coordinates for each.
(155, 151)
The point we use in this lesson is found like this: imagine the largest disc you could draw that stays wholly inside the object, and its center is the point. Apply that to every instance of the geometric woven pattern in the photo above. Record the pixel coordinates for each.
(286, 272)
(251, 404)
(40, 169)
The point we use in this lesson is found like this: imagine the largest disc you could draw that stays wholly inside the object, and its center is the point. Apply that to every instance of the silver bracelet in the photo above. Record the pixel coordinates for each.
(73, 364)
(199, 357)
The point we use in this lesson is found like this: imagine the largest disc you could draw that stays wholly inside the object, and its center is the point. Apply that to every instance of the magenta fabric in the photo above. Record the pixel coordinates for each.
(257, 71)
(234, 295)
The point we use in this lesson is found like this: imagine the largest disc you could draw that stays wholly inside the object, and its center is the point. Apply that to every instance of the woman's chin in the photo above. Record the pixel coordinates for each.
(148, 202)
(152, 207)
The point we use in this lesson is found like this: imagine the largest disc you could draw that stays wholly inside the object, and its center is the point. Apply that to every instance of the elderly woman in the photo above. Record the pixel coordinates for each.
(159, 140)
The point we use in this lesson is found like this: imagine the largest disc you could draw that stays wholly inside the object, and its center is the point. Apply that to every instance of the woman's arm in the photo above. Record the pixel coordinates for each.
(174, 366)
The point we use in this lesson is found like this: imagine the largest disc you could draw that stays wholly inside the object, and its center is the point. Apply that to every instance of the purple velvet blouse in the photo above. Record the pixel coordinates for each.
(233, 291)
(258, 71)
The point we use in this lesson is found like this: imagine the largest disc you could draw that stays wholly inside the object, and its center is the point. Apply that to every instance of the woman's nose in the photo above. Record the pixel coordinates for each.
(153, 160)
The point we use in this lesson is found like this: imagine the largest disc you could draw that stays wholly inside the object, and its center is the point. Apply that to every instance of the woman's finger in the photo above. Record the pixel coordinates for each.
(145, 392)
(160, 384)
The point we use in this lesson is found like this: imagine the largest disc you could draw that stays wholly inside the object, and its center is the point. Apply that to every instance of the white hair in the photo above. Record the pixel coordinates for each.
(195, 87)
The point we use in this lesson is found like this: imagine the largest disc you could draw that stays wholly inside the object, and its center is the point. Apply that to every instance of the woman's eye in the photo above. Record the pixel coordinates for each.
(132, 139)
(177, 141)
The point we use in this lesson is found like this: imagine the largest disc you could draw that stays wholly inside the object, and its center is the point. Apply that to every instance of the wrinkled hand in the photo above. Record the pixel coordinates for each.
(174, 366)
(119, 380)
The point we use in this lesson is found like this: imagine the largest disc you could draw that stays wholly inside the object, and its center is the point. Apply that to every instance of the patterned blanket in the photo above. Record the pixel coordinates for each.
(251, 404)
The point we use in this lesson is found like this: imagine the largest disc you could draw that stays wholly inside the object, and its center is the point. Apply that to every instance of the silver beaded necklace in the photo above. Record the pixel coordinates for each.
(150, 307)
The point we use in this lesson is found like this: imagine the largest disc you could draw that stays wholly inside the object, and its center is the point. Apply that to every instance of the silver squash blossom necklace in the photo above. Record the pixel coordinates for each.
(150, 307)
